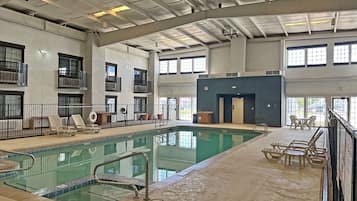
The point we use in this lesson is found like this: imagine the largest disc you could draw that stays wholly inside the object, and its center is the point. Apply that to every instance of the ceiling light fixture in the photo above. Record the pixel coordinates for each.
(111, 11)
(120, 9)
(100, 14)
(304, 23)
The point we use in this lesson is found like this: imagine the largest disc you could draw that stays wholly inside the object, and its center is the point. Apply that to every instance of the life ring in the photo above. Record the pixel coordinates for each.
(93, 117)
(92, 150)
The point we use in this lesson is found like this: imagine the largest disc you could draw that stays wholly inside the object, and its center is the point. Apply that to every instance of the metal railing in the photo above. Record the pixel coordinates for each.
(142, 86)
(72, 79)
(342, 146)
(32, 157)
(125, 157)
(113, 84)
(13, 73)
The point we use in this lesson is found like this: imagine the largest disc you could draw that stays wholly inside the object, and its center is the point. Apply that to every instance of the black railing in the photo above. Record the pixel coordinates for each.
(13, 73)
(113, 84)
(342, 140)
(17, 121)
(142, 86)
(72, 79)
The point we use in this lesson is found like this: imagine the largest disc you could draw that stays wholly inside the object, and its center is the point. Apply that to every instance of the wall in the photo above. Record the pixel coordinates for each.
(267, 91)
(262, 56)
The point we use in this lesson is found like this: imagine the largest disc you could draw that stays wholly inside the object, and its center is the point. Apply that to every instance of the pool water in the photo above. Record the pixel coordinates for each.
(169, 151)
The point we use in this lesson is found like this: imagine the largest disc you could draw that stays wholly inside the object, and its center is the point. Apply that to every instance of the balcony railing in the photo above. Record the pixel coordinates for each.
(142, 86)
(72, 79)
(113, 84)
(13, 73)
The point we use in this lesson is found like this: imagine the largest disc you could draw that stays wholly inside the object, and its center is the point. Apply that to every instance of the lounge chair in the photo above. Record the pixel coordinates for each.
(56, 126)
(81, 126)
(299, 143)
(273, 154)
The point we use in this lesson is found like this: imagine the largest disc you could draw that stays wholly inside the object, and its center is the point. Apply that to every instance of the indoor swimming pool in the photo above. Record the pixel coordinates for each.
(63, 173)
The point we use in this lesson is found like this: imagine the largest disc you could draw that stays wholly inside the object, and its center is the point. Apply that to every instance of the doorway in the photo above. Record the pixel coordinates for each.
(237, 110)
(172, 104)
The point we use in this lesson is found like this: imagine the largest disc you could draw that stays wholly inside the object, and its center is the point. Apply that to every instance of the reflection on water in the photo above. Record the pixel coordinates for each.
(171, 150)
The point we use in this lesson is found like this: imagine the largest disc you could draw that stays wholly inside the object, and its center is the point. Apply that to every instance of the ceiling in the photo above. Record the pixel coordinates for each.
(79, 14)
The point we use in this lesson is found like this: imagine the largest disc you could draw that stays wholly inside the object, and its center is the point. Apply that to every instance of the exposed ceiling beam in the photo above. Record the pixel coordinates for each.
(193, 4)
(236, 2)
(3, 2)
(308, 24)
(337, 19)
(137, 9)
(208, 32)
(166, 7)
(219, 26)
(282, 25)
(240, 29)
(168, 36)
(183, 32)
(278, 7)
(252, 19)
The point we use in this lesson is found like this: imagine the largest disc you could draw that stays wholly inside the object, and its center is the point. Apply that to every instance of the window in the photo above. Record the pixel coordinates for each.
(11, 105)
(186, 65)
(353, 112)
(185, 109)
(199, 64)
(340, 106)
(187, 139)
(295, 106)
(140, 77)
(110, 72)
(345, 53)
(111, 104)
(139, 104)
(69, 104)
(168, 66)
(11, 55)
(307, 56)
(69, 66)
(316, 106)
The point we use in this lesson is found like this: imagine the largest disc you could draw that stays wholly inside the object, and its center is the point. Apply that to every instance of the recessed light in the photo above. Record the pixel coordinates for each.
(234, 87)
(100, 14)
(120, 9)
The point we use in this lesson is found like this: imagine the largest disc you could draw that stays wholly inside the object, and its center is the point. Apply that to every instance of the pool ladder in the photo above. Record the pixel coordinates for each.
(22, 154)
(128, 184)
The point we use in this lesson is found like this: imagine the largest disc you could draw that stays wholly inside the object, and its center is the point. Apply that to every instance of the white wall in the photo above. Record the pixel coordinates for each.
(262, 56)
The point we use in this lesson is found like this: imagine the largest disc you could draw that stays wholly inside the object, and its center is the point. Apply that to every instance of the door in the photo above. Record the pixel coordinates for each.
(171, 108)
(221, 110)
(237, 110)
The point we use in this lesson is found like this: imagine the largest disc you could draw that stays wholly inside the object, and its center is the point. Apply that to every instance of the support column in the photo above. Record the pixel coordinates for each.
(153, 75)
(238, 55)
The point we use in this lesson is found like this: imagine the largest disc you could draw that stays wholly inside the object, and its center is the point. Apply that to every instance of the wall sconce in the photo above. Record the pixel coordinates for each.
(43, 52)
(268, 106)
(234, 87)
(205, 88)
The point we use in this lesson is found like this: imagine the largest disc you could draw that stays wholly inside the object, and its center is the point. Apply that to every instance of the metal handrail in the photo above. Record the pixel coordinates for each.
(32, 157)
(125, 157)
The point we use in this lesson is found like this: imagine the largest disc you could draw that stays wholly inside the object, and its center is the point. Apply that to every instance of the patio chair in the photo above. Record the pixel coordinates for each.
(57, 126)
(294, 121)
(81, 126)
(311, 122)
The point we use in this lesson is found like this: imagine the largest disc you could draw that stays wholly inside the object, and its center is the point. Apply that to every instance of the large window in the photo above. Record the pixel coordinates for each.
(110, 72)
(345, 53)
(340, 106)
(11, 105)
(295, 106)
(11, 55)
(316, 106)
(185, 110)
(140, 104)
(193, 64)
(168, 66)
(186, 65)
(69, 104)
(140, 77)
(307, 56)
(111, 104)
(69, 66)
(187, 140)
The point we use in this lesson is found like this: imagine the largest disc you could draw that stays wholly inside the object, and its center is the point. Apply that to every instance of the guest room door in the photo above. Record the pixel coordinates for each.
(237, 110)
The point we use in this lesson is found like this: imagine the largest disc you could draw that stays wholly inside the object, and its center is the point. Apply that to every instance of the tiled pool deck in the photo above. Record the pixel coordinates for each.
(240, 174)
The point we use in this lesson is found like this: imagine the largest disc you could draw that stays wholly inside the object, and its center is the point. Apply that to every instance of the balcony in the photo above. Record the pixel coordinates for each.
(72, 79)
(113, 84)
(142, 86)
(13, 73)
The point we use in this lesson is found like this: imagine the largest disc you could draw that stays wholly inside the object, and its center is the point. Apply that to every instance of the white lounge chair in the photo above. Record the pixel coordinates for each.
(81, 126)
(56, 126)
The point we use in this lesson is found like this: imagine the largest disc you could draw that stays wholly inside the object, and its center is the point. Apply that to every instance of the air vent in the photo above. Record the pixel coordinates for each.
(273, 72)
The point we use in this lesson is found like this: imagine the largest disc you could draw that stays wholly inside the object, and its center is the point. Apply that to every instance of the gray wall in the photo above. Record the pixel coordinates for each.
(267, 90)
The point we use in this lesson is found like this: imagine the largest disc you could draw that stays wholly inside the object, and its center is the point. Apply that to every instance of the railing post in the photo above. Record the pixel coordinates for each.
(7, 121)
(41, 117)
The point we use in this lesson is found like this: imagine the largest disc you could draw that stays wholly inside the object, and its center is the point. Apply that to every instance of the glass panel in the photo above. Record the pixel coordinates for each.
(340, 106)
(295, 106)
(341, 54)
(111, 71)
(111, 104)
(354, 52)
(353, 113)
(296, 57)
(316, 56)
(185, 112)
(173, 66)
(13, 54)
(316, 106)
(2, 53)
(69, 104)
(164, 67)
(199, 64)
(186, 65)
(187, 140)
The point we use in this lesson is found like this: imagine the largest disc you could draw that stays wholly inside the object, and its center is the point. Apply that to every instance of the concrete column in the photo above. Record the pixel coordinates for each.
(153, 75)
(238, 55)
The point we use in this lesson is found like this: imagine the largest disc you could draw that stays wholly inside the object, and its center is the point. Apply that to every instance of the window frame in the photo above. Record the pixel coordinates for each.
(16, 93)
(68, 68)
(14, 46)
(349, 43)
(68, 96)
(141, 111)
(168, 66)
(193, 71)
(142, 82)
(115, 106)
(305, 48)
(107, 78)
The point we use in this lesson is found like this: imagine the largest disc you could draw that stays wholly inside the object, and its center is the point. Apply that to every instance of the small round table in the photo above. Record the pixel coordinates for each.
(295, 153)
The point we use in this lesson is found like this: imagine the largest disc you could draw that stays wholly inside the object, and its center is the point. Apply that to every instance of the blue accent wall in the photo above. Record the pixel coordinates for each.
(266, 92)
